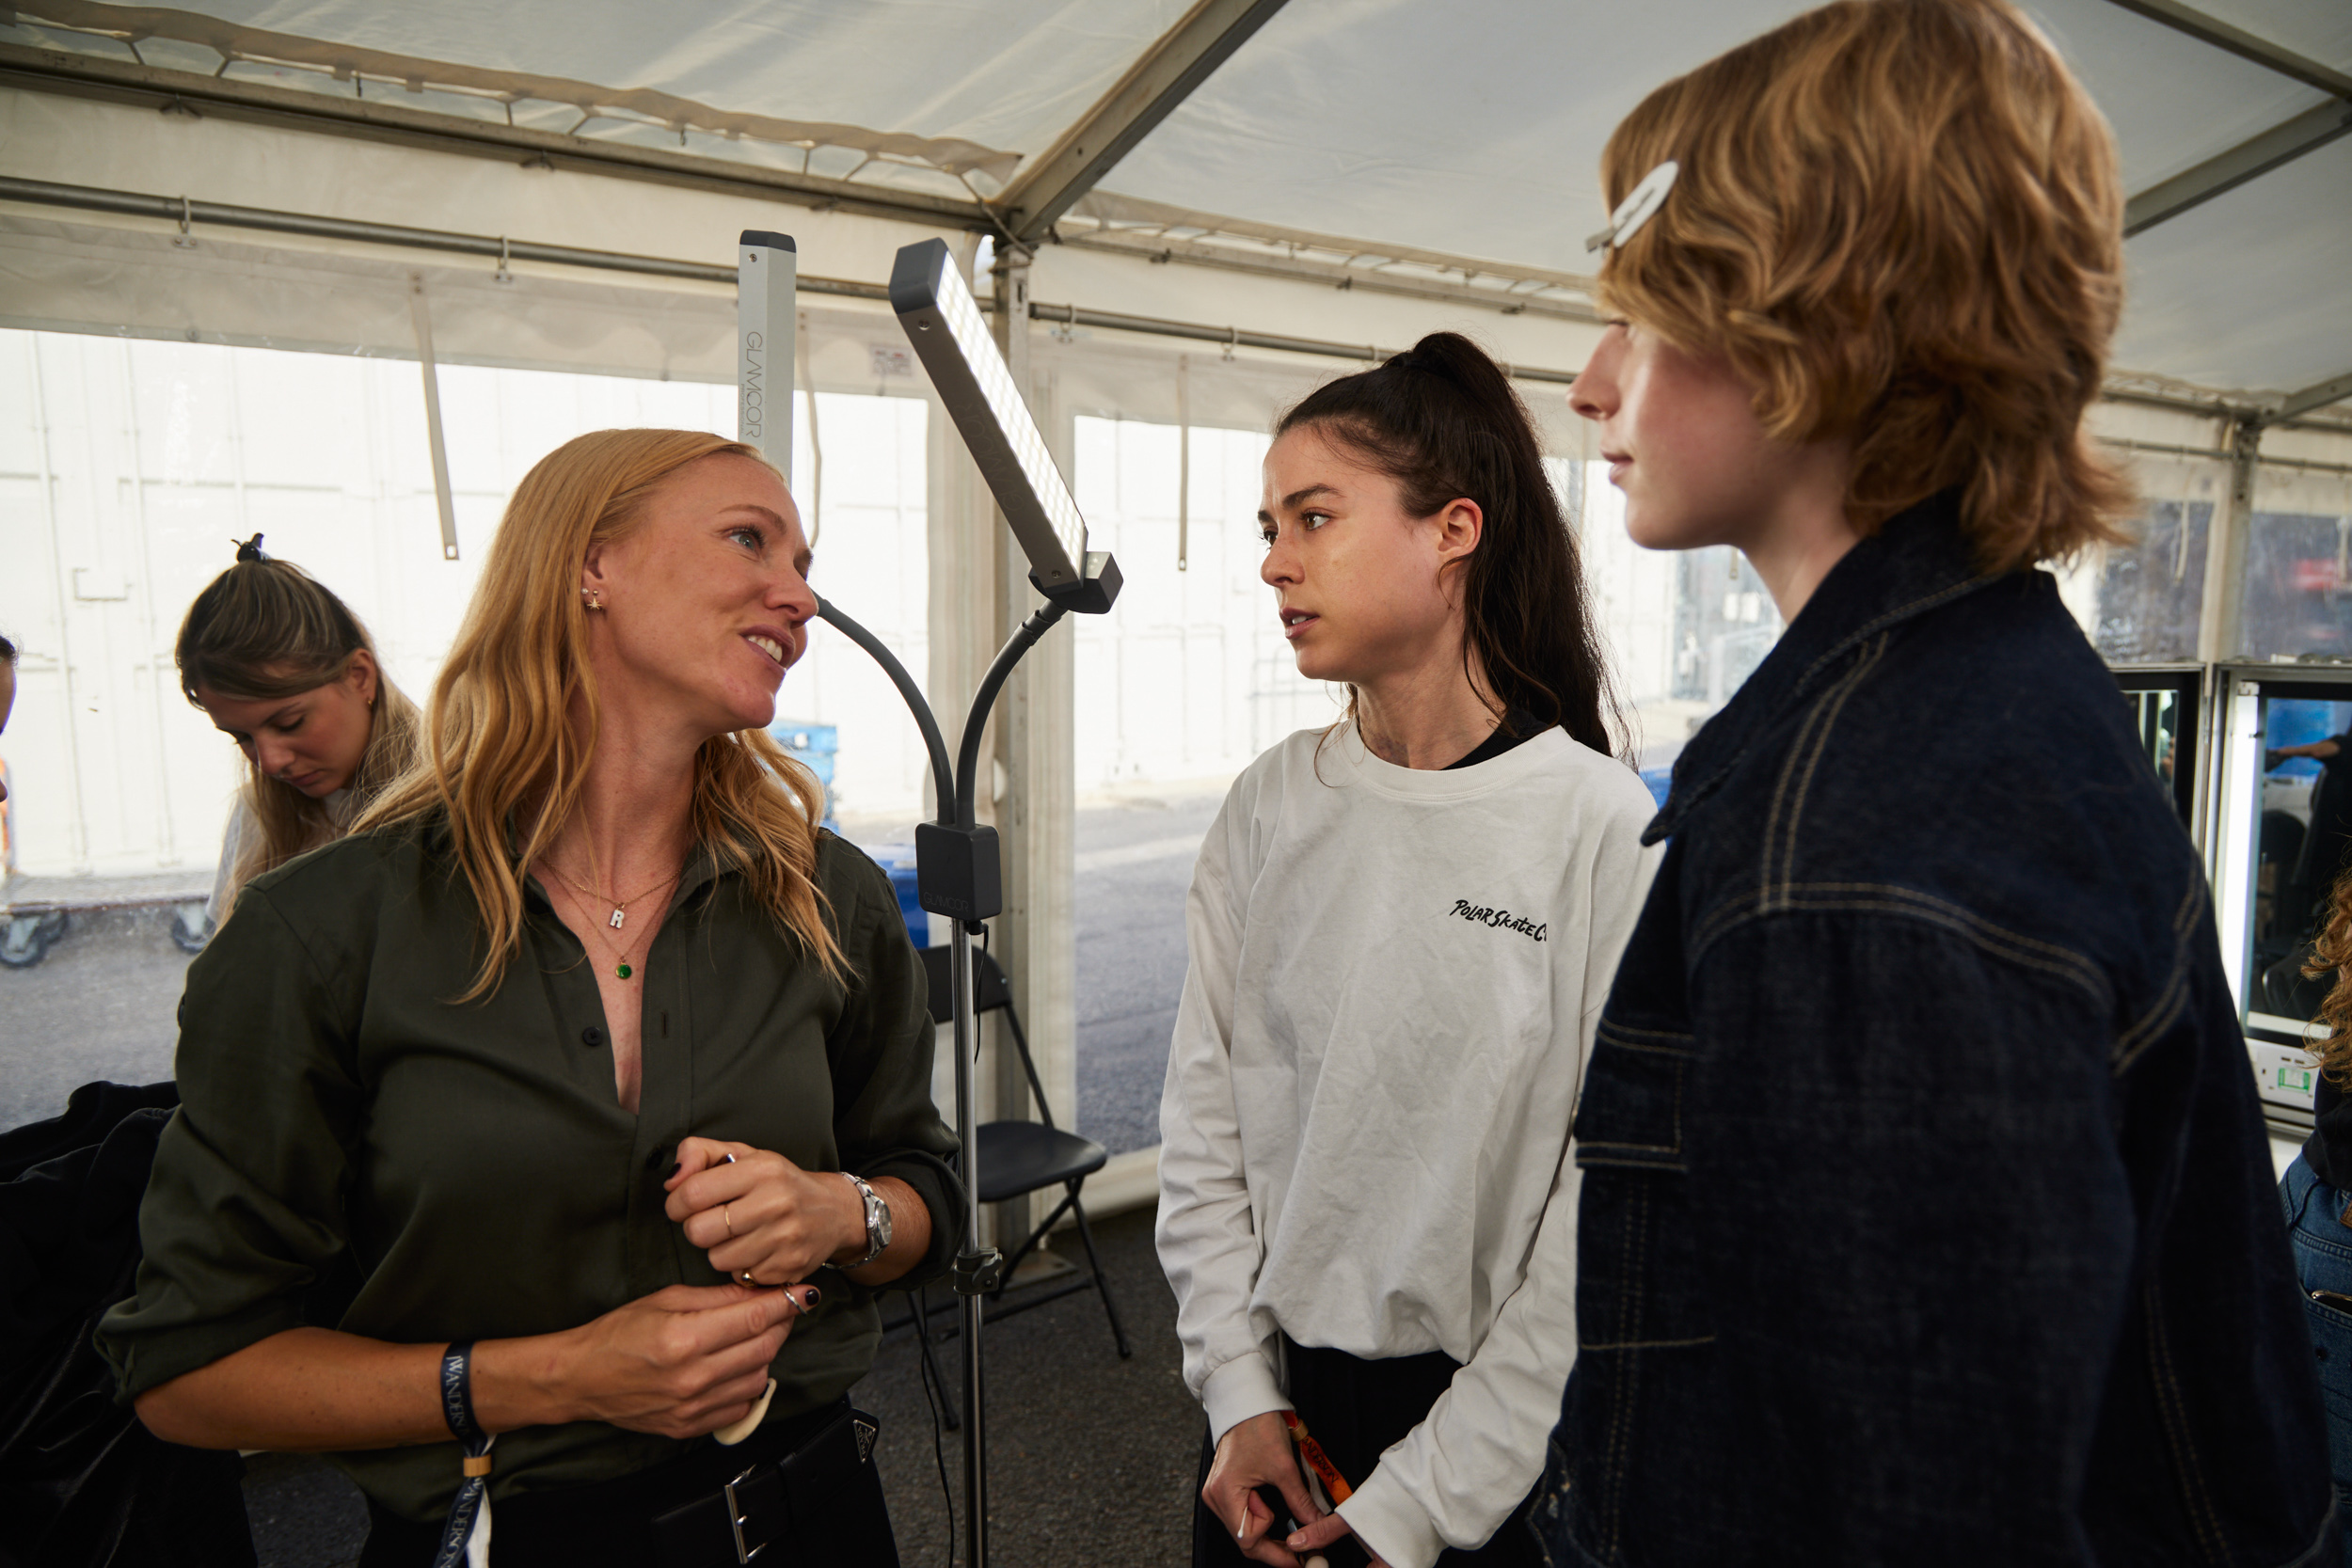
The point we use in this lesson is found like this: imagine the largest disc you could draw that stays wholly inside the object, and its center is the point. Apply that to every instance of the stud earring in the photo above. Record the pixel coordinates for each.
(593, 597)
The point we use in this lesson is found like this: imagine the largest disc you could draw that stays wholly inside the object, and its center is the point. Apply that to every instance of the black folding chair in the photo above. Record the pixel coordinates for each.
(1018, 1157)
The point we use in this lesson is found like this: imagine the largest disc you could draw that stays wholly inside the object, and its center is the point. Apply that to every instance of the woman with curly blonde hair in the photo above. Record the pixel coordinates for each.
(2317, 1187)
(469, 1098)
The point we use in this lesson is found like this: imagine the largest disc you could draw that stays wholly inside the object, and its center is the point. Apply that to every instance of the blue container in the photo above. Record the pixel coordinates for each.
(812, 746)
(899, 859)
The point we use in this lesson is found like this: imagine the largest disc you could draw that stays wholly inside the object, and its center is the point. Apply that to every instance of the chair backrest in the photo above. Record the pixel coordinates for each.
(990, 991)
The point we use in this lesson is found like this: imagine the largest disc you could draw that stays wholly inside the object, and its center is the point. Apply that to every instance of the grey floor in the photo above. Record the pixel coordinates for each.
(1090, 1459)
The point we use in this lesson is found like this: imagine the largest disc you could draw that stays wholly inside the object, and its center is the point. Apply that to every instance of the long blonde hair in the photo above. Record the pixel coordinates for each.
(265, 629)
(499, 742)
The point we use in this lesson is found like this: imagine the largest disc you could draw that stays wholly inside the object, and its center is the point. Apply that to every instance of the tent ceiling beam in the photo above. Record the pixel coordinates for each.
(2246, 45)
(1234, 337)
(173, 209)
(2335, 390)
(1178, 61)
(176, 91)
(2250, 159)
(1333, 275)
(1129, 216)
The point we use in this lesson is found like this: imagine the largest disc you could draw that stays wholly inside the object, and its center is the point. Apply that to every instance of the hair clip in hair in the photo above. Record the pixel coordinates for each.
(249, 549)
(1640, 204)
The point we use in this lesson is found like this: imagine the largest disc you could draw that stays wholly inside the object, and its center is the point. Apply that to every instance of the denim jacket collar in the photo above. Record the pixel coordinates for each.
(1920, 560)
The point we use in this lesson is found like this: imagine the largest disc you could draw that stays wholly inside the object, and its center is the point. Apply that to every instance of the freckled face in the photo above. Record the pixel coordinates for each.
(707, 601)
(1681, 438)
(1357, 581)
(313, 740)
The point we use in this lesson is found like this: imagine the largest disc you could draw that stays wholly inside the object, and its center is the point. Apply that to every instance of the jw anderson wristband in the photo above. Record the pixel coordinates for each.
(466, 1535)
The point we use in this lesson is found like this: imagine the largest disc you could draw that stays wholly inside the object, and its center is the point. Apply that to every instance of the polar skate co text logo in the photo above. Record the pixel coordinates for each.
(1502, 920)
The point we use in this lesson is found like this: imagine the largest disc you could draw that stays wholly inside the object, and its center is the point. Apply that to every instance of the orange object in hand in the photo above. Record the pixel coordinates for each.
(1317, 1461)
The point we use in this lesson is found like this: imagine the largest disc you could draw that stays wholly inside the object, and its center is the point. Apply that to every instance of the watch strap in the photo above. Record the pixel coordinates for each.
(876, 1215)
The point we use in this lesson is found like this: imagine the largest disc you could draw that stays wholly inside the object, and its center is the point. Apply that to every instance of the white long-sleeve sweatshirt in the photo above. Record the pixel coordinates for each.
(1395, 976)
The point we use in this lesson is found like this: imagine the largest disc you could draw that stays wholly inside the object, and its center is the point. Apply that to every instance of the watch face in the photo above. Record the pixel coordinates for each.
(877, 1219)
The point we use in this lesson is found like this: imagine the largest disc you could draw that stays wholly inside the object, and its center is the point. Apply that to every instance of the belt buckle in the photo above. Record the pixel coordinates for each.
(737, 1518)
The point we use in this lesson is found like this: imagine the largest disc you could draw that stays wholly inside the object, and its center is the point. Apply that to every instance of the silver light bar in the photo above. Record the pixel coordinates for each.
(767, 277)
(951, 338)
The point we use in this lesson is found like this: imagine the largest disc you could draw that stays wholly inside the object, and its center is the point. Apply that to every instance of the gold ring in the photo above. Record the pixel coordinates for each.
(729, 1219)
(746, 1277)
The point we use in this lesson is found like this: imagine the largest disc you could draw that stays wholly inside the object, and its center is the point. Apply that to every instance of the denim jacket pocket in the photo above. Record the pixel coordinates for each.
(1641, 1298)
(1631, 1109)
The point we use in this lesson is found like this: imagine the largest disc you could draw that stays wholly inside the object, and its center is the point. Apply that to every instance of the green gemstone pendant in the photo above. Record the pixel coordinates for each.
(623, 971)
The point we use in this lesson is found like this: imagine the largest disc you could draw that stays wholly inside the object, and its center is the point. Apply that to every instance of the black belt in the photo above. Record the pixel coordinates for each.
(805, 1485)
(824, 1498)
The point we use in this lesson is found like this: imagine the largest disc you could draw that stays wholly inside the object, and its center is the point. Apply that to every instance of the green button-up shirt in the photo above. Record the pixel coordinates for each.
(356, 1151)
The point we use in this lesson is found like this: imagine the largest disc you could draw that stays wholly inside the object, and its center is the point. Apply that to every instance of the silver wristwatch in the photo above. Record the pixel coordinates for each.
(877, 1222)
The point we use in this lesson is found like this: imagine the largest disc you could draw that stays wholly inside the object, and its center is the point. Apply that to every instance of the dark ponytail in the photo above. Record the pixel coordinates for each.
(1442, 420)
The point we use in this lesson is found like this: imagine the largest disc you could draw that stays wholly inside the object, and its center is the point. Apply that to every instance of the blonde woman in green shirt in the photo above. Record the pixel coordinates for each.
(581, 1098)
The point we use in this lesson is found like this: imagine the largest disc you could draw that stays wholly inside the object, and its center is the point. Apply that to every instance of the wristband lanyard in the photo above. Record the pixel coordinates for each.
(466, 1535)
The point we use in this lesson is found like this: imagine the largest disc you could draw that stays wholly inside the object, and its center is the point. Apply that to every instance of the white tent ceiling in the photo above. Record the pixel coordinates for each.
(1469, 130)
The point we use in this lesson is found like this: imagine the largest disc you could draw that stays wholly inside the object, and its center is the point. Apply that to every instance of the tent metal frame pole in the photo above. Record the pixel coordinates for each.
(2249, 160)
(1176, 63)
(174, 209)
(2237, 41)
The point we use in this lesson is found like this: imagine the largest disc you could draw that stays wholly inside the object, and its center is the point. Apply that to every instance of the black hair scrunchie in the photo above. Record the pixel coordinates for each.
(249, 549)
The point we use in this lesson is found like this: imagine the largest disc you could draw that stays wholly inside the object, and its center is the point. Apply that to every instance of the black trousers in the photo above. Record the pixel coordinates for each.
(1356, 1409)
(611, 1522)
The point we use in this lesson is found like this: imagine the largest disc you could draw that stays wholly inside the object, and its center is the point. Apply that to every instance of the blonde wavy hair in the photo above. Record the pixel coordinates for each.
(500, 743)
(263, 631)
(2332, 950)
(1901, 222)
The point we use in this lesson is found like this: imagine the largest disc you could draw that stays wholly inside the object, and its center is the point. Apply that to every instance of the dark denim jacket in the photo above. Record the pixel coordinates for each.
(1928, 1215)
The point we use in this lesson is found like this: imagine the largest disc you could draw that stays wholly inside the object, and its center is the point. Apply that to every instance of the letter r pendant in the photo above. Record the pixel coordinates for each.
(618, 918)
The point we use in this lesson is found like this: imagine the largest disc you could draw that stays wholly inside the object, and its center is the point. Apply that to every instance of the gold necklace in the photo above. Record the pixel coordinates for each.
(621, 968)
(619, 905)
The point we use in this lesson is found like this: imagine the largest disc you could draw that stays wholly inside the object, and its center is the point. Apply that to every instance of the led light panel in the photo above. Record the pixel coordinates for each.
(767, 280)
(951, 338)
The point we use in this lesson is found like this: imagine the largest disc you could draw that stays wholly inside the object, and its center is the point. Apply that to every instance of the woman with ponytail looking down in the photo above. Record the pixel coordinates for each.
(1401, 930)
(283, 668)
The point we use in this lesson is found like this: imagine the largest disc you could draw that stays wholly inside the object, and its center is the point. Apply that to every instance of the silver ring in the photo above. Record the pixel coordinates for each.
(746, 1277)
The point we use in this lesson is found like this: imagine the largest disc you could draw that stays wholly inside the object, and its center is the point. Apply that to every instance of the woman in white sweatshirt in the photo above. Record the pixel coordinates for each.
(1401, 931)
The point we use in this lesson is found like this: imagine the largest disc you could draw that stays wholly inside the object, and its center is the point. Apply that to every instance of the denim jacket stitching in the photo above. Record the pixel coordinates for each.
(2194, 1500)
(1587, 1144)
(1686, 795)
(1651, 1344)
(1804, 758)
(2173, 997)
(1901, 613)
(1803, 898)
(1622, 1044)
(1621, 1422)
(1610, 1026)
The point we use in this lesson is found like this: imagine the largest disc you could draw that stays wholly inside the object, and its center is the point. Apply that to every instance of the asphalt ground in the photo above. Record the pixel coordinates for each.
(103, 1002)
(1090, 1459)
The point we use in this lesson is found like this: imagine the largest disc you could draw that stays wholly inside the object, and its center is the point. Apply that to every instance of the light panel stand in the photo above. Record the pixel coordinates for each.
(767, 281)
(957, 869)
